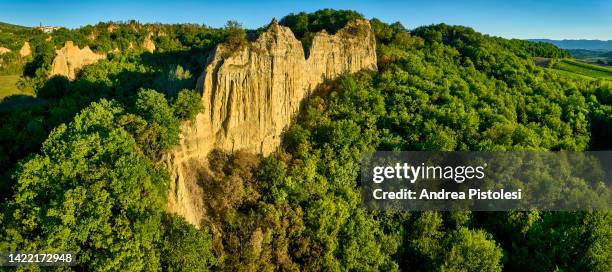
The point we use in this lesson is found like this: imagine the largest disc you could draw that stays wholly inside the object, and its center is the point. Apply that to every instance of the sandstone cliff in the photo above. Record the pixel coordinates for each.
(148, 44)
(25, 50)
(251, 94)
(69, 59)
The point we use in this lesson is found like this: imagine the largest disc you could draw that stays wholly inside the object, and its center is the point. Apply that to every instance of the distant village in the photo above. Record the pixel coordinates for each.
(47, 29)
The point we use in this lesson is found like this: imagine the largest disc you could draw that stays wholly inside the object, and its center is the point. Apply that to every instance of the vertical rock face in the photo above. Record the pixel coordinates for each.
(148, 44)
(250, 95)
(70, 59)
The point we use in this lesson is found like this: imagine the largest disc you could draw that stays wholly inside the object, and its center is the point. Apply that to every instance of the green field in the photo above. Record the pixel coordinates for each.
(584, 69)
(8, 86)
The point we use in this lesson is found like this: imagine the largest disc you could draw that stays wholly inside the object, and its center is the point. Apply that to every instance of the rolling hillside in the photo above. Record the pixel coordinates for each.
(11, 27)
(584, 69)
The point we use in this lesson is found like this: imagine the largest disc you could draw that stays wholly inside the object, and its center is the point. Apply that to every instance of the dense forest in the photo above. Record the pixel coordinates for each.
(81, 170)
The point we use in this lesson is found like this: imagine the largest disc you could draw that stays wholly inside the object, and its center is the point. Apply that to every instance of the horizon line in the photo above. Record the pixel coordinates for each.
(249, 28)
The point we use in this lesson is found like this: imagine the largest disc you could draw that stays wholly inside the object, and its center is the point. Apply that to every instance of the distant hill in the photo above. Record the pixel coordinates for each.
(11, 27)
(589, 54)
(583, 53)
(579, 44)
(13, 36)
(592, 56)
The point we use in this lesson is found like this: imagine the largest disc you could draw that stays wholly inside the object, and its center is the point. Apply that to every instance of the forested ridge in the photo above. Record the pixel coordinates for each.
(81, 169)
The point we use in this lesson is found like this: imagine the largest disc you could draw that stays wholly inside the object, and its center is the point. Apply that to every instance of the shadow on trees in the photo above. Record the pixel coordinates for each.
(20, 101)
(26, 121)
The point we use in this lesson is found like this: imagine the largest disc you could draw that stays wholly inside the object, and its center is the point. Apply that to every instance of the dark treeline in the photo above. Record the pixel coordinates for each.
(82, 171)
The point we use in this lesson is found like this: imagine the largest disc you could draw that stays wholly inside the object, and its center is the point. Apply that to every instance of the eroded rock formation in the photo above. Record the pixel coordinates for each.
(69, 59)
(250, 95)
(148, 44)
(25, 50)
(4, 50)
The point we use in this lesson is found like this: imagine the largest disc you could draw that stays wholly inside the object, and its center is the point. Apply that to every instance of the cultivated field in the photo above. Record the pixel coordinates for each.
(585, 69)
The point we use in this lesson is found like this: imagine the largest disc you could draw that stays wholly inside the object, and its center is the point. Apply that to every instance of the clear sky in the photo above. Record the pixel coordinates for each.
(554, 19)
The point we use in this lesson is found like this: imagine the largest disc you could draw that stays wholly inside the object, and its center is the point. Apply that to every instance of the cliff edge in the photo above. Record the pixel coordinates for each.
(251, 94)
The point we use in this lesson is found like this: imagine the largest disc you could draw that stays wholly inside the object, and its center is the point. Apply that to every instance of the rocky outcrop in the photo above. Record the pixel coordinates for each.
(4, 50)
(112, 28)
(69, 59)
(148, 44)
(251, 94)
(25, 50)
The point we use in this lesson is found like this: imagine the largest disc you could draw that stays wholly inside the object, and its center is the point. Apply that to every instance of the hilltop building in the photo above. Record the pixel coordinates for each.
(47, 29)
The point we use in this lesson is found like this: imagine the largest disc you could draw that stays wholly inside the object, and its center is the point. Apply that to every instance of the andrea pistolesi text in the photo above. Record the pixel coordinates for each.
(424, 194)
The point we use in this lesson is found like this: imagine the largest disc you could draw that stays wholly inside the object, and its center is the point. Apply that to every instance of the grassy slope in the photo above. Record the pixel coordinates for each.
(23, 99)
(8, 86)
(7, 26)
(585, 69)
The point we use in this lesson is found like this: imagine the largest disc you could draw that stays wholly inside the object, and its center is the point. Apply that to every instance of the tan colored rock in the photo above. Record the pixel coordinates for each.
(4, 50)
(251, 95)
(148, 44)
(69, 59)
(25, 50)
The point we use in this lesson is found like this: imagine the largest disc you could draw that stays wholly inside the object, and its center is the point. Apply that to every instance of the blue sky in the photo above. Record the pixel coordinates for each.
(554, 19)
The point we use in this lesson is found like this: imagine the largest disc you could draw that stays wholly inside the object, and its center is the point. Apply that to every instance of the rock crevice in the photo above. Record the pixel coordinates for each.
(251, 94)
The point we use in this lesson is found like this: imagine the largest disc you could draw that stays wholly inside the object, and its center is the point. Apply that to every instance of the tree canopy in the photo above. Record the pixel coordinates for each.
(81, 169)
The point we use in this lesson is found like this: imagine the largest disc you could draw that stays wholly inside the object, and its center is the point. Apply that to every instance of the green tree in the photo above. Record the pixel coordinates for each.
(469, 250)
(187, 105)
(185, 248)
(90, 191)
(236, 35)
(160, 129)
